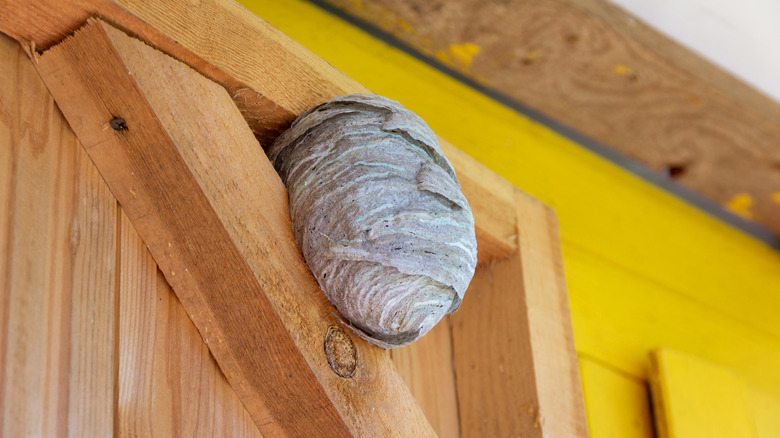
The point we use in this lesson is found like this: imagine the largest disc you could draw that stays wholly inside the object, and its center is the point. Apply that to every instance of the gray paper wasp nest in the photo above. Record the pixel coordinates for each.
(378, 214)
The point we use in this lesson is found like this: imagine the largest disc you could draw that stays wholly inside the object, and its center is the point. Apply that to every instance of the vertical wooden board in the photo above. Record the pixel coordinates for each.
(31, 403)
(547, 301)
(169, 384)
(58, 258)
(497, 394)
(515, 363)
(428, 370)
(9, 66)
(91, 236)
(694, 398)
(617, 406)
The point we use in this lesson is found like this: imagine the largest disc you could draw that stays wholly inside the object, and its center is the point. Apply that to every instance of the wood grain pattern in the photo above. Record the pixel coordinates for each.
(522, 312)
(153, 374)
(221, 248)
(169, 384)
(270, 77)
(58, 298)
(596, 69)
(427, 368)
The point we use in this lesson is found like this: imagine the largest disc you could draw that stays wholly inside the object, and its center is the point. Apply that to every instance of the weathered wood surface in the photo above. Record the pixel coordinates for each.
(600, 71)
(220, 240)
(92, 342)
(270, 77)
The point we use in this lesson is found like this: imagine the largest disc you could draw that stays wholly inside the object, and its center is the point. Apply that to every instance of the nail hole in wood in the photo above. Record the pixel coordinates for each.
(118, 124)
(675, 171)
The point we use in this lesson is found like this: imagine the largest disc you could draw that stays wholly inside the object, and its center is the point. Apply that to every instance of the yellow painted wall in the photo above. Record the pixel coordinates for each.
(644, 269)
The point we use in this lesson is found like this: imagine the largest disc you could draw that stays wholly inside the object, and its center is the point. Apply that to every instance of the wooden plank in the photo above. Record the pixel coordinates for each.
(58, 358)
(518, 308)
(169, 384)
(230, 229)
(695, 398)
(618, 406)
(597, 69)
(428, 370)
(259, 66)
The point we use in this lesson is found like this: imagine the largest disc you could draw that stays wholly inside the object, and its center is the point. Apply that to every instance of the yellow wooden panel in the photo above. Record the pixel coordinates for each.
(601, 207)
(766, 413)
(617, 406)
(619, 318)
(694, 398)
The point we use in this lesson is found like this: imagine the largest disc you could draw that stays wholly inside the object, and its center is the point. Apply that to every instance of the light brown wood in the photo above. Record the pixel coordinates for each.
(208, 226)
(42, 23)
(515, 363)
(270, 77)
(427, 368)
(595, 68)
(57, 265)
(166, 380)
(169, 384)
(497, 233)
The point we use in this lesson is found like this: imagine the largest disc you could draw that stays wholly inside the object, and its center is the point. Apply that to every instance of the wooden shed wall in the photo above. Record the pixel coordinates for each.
(644, 269)
(93, 340)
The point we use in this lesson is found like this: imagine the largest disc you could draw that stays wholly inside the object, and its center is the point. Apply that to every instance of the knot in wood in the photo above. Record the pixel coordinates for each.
(341, 352)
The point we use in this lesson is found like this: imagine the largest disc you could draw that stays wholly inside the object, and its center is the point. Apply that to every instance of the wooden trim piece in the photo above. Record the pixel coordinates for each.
(693, 398)
(57, 264)
(270, 77)
(519, 308)
(212, 230)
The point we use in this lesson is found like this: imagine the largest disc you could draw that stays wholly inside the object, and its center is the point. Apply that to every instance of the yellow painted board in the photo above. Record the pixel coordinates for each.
(766, 413)
(617, 406)
(601, 208)
(694, 398)
(619, 318)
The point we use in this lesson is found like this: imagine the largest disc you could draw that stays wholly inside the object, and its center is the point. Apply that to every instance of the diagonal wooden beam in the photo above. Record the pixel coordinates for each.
(199, 190)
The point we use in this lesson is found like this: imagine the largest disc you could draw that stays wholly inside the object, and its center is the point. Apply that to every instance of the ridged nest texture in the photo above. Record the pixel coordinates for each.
(379, 215)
